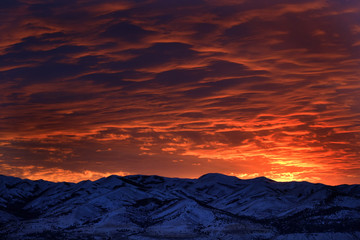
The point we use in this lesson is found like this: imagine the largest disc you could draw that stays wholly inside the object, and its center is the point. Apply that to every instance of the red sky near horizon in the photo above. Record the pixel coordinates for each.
(180, 88)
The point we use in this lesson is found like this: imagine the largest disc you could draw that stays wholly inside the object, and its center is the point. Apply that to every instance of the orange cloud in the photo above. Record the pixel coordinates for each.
(55, 174)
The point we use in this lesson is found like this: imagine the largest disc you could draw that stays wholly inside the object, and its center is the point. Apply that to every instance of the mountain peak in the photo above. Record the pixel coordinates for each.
(213, 175)
(262, 178)
(217, 178)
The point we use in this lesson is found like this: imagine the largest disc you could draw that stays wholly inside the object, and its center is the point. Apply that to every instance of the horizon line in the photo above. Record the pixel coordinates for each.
(155, 175)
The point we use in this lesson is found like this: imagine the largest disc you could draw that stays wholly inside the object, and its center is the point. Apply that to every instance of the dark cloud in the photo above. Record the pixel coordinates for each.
(45, 40)
(6, 4)
(192, 115)
(58, 97)
(230, 69)
(240, 31)
(109, 79)
(125, 31)
(204, 30)
(180, 76)
(47, 72)
(159, 54)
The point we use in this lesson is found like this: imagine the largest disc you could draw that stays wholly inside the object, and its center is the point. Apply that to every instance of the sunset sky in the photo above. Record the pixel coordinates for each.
(180, 88)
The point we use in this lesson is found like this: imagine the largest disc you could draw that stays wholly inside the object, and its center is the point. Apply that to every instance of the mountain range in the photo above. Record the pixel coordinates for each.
(214, 206)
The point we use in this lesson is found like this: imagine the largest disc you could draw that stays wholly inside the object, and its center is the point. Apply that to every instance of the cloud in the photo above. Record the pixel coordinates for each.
(267, 88)
(125, 31)
(56, 174)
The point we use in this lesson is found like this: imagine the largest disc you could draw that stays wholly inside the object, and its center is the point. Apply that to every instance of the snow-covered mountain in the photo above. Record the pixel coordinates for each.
(214, 206)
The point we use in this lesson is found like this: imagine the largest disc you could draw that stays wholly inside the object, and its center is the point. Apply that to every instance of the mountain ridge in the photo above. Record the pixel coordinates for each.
(155, 175)
(213, 206)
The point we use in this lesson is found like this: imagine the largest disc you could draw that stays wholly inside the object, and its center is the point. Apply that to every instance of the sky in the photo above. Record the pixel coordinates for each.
(180, 88)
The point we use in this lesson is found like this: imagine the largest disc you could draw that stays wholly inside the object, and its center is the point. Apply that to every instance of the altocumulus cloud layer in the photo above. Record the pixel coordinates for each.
(180, 88)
